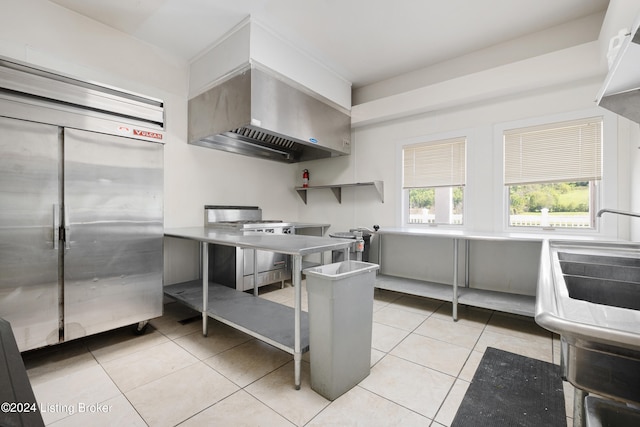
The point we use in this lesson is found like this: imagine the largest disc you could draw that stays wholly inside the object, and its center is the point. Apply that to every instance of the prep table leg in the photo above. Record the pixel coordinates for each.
(205, 287)
(297, 347)
(467, 251)
(455, 280)
(379, 254)
(255, 272)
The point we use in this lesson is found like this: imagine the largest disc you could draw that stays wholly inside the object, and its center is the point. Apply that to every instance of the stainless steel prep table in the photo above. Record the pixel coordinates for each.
(310, 228)
(454, 293)
(219, 308)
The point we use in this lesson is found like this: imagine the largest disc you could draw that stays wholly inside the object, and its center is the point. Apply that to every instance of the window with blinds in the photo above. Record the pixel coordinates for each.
(551, 172)
(433, 177)
(567, 151)
(435, 164)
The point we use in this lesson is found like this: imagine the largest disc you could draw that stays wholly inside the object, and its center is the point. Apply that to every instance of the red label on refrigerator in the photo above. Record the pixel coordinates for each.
(147, 134)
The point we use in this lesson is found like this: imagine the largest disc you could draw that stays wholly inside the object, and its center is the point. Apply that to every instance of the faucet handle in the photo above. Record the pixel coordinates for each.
(617, 212)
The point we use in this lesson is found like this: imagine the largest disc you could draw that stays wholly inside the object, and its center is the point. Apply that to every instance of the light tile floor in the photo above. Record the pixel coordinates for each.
(422, 363)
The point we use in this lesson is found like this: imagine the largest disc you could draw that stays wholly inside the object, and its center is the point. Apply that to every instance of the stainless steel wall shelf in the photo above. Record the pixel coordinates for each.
(337, 189)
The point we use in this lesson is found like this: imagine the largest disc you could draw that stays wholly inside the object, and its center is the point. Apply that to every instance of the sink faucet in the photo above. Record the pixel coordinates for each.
(617, 212)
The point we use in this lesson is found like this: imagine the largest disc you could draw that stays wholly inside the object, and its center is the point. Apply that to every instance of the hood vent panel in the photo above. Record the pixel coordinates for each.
(621, 90)
(265, 138)
(259, 114)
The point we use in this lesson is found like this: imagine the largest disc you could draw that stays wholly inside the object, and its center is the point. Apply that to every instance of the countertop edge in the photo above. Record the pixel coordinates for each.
(290, 244)
(492, 236)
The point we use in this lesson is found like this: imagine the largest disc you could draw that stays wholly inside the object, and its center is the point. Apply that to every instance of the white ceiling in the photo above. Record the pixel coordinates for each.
(365, 41)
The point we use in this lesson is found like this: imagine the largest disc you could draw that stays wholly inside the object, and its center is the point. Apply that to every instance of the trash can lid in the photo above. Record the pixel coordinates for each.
(343, 235)
(364, 232)
(341, 270)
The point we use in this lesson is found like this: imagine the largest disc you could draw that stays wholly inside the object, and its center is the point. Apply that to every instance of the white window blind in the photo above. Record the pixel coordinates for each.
(557, 152)
(435, 164)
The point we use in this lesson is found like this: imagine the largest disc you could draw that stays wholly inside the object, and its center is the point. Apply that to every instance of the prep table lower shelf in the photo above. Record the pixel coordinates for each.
(263, 319)
(501, 301)
(523, 305)
(415, 287)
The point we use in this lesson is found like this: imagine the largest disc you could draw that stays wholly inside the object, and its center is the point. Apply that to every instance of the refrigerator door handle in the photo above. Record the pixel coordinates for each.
(67, 229)
(56, 226)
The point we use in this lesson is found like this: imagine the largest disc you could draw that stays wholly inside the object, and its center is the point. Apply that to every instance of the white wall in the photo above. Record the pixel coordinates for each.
(545, 83)
(252, 42)
(552, 84)
(46, 35)
(551, 40)
(375, 156)
(624, 14)
(632, 132)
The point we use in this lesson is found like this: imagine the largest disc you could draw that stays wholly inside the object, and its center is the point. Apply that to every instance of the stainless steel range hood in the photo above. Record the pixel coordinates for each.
(621, 90)
(258, 113)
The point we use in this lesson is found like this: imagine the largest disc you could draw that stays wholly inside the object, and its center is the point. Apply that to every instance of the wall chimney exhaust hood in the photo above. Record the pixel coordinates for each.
(621, 90)
(257, 112)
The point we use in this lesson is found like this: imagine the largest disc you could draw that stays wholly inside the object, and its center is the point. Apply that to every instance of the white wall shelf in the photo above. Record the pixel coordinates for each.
(337, 189)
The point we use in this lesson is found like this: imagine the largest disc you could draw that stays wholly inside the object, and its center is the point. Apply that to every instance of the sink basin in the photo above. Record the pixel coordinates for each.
(601, 291)
(589, 294)
(608, 280)
(603, 413)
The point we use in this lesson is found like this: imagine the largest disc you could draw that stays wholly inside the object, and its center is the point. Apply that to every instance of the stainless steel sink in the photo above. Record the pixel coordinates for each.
(589, 294)
(608, 280)
(604, 413)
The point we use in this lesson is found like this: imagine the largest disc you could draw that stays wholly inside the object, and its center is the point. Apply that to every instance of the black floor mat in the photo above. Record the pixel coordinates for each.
(512, 390)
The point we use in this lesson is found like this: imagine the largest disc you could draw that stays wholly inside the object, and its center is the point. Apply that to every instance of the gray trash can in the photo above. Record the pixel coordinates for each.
(340, 321)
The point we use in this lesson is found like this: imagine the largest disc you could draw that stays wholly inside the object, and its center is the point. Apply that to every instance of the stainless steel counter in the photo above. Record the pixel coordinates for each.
(295, 245)
(310, 225)
(487, 235)
(462, 293)
(588, 294)
(290, 244)
(580, 319)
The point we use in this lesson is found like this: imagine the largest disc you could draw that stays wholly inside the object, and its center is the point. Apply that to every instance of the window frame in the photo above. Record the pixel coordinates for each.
(404, 210)
(606, 193)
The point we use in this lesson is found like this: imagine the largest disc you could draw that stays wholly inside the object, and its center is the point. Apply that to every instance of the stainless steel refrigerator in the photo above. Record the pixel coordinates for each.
(81, 207)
